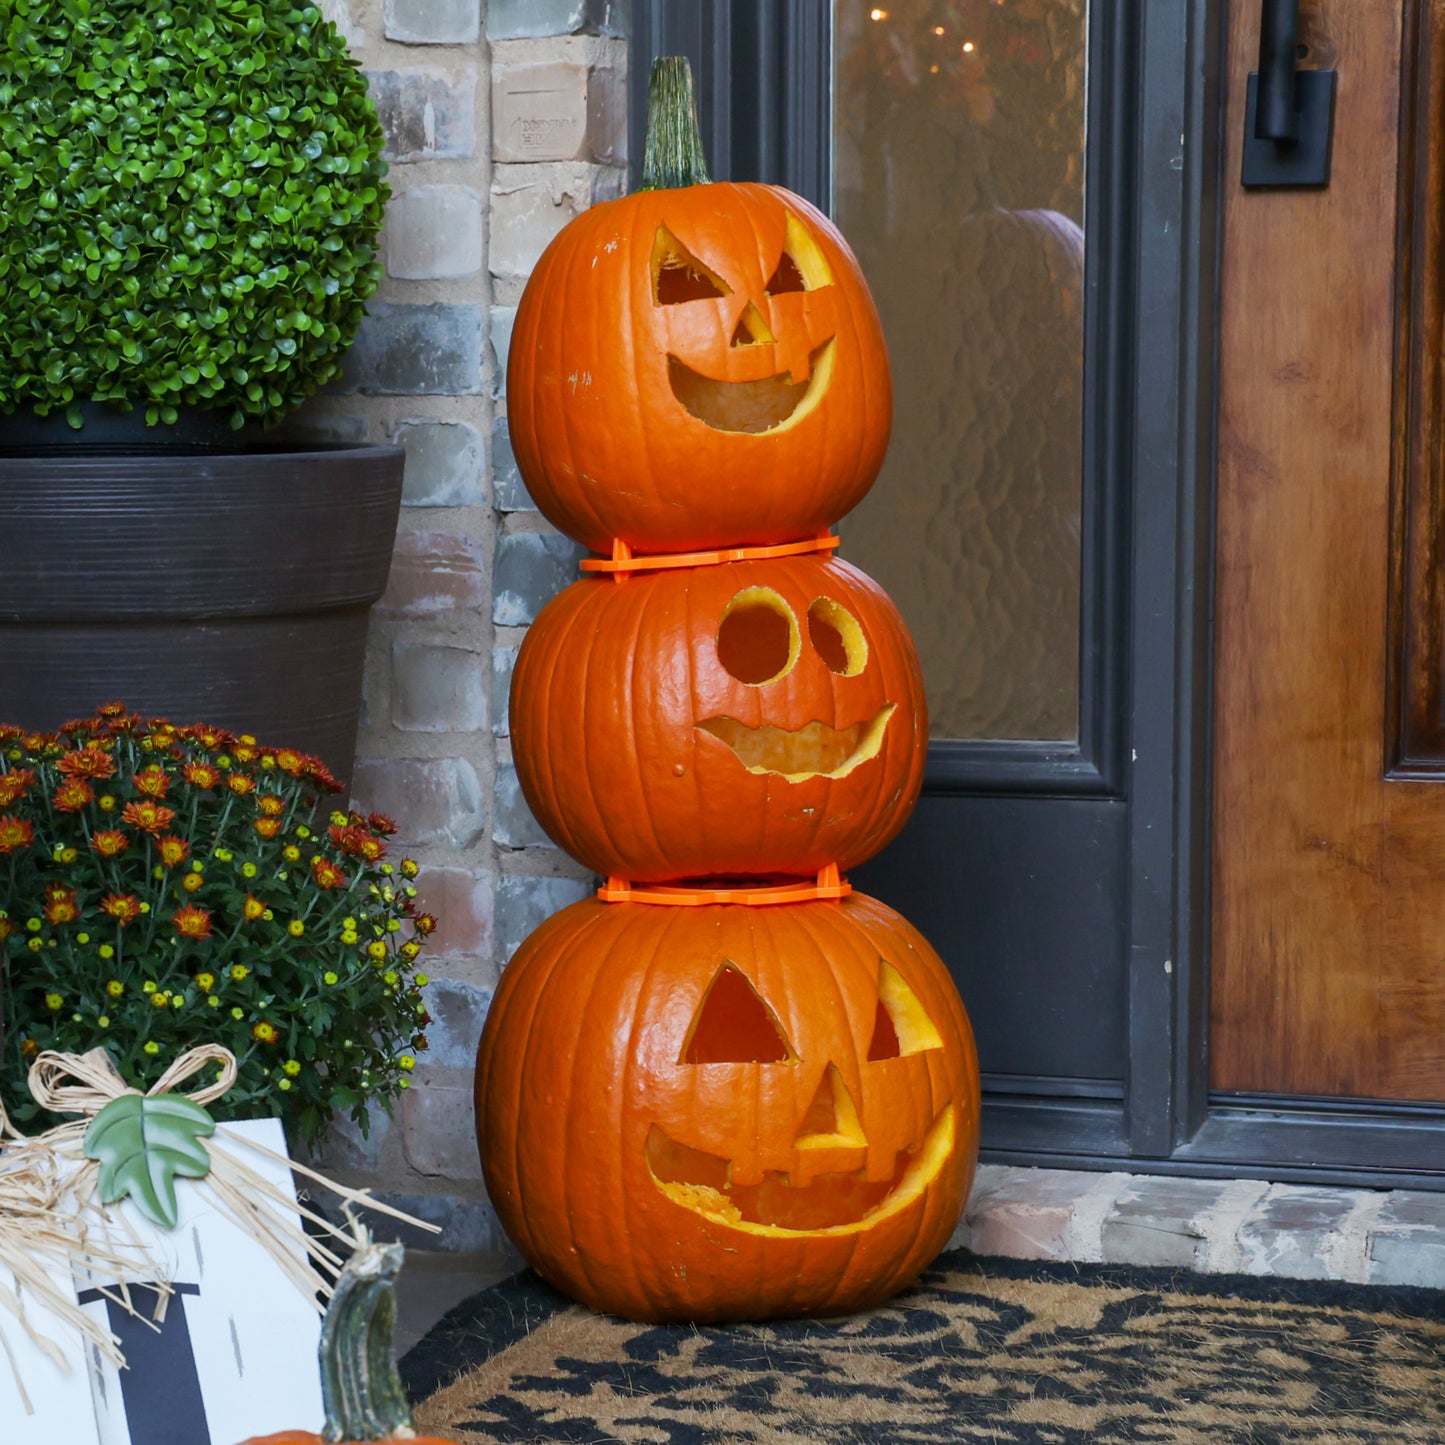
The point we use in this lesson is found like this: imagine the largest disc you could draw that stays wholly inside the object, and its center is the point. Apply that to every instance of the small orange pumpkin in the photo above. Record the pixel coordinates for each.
(697, 365)
(725, 1112)
(751, 718)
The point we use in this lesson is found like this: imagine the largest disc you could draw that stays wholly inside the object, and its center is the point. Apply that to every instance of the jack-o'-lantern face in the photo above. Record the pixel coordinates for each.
(698, 368)
(817, 1167)
(728, 1112)
(751, 719)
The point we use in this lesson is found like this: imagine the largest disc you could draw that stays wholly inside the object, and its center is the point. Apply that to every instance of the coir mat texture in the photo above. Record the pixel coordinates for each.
(987, 1350)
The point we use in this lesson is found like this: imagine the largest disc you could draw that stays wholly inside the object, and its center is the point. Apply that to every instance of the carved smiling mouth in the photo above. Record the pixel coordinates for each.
(830, 1201)
(814, 751)
(750, 406)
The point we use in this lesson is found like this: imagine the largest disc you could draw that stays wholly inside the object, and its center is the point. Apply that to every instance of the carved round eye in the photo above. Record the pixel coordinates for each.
(837, 637)
(758, 640)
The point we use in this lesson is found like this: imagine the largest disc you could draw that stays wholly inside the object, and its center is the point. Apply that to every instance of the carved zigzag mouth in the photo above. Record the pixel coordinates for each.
(833, 1200)
(813, 751)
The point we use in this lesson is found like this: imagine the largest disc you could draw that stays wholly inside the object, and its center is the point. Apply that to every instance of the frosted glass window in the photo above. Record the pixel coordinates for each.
(958, 174)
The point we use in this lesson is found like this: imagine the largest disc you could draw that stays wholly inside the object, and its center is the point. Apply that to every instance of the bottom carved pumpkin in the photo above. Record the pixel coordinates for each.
(726, 1113)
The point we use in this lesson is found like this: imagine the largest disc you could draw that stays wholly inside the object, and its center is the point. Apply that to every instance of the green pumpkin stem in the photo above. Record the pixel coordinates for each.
(673, 155)
(360, 1387)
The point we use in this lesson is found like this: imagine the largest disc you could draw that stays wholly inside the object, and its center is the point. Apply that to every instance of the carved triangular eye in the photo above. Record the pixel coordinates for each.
(734, 1026)
(901, 1026)
(786, 278)
(678, 276)
(832, 1117)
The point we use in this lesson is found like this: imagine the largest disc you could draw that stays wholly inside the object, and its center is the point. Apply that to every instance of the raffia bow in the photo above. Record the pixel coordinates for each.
(54, 1225)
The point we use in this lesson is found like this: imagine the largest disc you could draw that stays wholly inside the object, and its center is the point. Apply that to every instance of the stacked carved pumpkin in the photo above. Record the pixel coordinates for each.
(730, 1087)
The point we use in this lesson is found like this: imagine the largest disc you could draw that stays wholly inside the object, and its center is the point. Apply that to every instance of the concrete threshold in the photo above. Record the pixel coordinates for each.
(1217, 1226)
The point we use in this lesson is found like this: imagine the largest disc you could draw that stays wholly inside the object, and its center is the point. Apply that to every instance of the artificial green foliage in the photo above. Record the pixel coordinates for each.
(143, 1145)
(192, 195)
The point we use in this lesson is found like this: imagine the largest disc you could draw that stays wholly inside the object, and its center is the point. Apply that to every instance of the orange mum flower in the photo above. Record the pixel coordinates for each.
(290, 761)
(121, 906)
(270, 805)
(268, 827)
(6, 928)
(424, 923)
(173, 850)
(241, 783)
(87, 762)
(60, 904)
(212, 739)
(326, 873)
(15, 833)
(380, 823)
(201, 775)
(72, 795)
(111, 710)
(192, 922)
(152, 781)
(109, 842)
(13, 785)
(147, 815)
(252, 909)
(265, 1032)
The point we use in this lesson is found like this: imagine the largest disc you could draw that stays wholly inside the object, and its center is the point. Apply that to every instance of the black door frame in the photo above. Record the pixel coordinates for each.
(1152, 280)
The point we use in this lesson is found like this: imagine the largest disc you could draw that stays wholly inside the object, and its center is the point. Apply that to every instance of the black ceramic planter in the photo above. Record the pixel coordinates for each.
(228, 588)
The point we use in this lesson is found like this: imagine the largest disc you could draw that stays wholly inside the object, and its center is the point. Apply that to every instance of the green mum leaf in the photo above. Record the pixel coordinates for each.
(143, 1145)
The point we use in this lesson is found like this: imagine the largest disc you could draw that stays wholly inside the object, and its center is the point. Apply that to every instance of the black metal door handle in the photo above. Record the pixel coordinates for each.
(1289, 113)
(1275, 116)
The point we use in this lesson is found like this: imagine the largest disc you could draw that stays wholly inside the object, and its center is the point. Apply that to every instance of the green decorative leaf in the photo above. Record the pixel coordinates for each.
(143, 1144)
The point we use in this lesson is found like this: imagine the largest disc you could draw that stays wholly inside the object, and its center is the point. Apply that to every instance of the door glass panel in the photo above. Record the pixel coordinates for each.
(958, 178)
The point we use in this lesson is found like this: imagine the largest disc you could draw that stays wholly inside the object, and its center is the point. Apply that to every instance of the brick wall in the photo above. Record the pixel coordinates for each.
(503, 120)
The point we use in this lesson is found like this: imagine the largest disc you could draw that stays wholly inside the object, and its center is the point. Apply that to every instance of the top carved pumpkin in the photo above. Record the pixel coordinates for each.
(697, 366)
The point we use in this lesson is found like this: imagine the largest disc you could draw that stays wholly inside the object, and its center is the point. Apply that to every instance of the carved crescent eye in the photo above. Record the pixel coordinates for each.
(678, 276)
(902, 1025)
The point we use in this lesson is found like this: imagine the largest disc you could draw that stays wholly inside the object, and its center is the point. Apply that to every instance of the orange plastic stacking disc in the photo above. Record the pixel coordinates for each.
(622, 564)
(828, 885)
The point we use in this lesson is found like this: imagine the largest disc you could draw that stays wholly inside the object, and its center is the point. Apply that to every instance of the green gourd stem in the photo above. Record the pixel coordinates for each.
(360, 1387)
(672, 155)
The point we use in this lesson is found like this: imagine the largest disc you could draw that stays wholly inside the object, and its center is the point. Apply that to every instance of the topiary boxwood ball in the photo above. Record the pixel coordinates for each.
(192, 198)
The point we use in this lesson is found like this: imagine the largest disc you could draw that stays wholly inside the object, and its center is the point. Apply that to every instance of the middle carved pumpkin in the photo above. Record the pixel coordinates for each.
(752, 719)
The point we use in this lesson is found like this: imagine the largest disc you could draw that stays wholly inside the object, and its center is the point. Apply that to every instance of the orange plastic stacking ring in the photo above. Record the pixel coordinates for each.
(622, 563)
(829, 885)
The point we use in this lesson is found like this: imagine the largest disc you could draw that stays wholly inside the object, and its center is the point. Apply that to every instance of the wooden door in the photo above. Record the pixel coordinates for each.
(1328, 946)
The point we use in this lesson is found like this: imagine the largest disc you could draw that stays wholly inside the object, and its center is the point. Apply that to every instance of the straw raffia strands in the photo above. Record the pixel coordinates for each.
(53, 1222)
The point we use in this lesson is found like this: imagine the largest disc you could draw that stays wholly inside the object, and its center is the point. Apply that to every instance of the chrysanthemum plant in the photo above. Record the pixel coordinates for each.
(164, 886)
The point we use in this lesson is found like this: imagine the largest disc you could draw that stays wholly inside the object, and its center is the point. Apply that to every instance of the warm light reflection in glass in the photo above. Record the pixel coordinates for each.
(958, 177)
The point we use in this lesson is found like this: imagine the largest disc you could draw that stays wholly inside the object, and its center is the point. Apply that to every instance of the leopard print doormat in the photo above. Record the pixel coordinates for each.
(986, 1350)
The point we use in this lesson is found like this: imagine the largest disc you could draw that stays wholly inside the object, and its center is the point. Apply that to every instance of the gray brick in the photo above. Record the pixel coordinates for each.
(435, 800)
(458, 1011)
(439, 1134)
(1026, 1213)
(338, 12)
(1291, 1230)
(425, 115)
(434, 233)
(524, 904)
(1159, 1221)
(433, 574)
(1407, 1256)
(522, 19)
(530, 204)
(433, 22)
(558, 111)
(513, 825)
(504, 662)
(347, 1151)
(462, 901)
(500, 321)
(425, 350)
(443, 463)
(529, 570)
(438, 688)
(509, 491)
